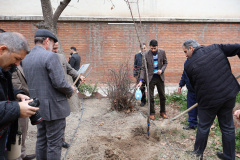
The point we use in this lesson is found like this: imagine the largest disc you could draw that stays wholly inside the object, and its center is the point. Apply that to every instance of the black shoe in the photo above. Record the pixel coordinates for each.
(194, 153)
(189, 128)
(220, 155)
(29, 157)
(142, 104)
(65, 145)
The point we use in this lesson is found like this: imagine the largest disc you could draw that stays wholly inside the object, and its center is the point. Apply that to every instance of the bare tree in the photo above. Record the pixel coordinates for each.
(50, 19)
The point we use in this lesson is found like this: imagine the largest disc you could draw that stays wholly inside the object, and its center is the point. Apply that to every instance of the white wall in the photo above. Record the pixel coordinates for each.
(200, 9)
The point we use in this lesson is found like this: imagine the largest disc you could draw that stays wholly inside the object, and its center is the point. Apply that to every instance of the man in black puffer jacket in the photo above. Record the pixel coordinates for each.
(210, 74)
(13, 48)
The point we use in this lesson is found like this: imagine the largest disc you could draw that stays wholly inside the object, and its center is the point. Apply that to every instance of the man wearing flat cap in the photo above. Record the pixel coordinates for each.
(46, 81)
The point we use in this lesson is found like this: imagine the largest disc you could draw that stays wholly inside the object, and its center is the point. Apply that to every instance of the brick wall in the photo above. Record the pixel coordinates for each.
(106, 45)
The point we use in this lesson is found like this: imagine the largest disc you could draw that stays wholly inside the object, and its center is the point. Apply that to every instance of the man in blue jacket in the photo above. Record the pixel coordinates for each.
(210, 75)
(13, 49)
(191, 100)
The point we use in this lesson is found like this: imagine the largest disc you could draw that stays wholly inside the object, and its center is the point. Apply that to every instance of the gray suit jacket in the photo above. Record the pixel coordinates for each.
(68, 70)
(46, 81)
(162, 64)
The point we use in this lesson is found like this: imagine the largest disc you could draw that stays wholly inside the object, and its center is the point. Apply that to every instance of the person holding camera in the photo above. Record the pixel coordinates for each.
(13, 49)
(46, 81)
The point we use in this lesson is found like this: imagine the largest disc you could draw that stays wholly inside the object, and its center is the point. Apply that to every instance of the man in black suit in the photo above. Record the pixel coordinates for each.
(75, 61)
(137, 70)
(210, 75)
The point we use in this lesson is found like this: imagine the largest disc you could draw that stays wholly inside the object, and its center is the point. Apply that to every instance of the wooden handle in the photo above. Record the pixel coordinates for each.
(76, 80)
(192, 107)
(189, 109)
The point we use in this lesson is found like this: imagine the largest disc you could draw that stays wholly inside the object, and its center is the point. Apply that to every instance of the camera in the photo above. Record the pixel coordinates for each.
(36, 118)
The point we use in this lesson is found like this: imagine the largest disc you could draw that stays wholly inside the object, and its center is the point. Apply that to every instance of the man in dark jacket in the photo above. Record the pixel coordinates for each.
(209, 72)
(75, 61)
(13, 49)
(191, 100)
(137, 71)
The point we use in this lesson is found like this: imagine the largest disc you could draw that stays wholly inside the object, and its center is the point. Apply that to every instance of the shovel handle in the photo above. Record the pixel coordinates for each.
(76, 79)
(192, 107)
(189, 109)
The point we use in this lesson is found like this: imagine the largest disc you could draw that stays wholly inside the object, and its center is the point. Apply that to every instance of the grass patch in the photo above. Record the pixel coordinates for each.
(238, 98)
(177, 98)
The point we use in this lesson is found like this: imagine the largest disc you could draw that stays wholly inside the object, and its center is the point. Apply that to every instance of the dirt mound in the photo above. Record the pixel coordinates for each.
(111, 135)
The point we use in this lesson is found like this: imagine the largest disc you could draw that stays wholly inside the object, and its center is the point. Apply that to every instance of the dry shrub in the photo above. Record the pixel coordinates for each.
(120, 88)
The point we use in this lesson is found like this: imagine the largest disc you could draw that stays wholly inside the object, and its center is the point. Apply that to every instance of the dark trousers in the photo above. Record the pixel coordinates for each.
(192, 115)
(49, 139)
(225, 117)
(157, 81)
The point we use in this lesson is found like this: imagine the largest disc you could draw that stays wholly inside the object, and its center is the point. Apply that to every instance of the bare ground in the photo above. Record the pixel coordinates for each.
(111, 135)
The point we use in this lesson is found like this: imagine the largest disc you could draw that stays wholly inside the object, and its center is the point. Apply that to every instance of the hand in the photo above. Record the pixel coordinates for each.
(139, 84)
(159, 72)
(236, 114)
(179, 90)
(26, 110)
(82, 78)
(22, 97)
(74, 89)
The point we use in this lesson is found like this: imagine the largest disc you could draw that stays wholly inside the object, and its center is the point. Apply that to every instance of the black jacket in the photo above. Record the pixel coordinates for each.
(137, 65)
(210, 74)
(75, 61)
(9, 110)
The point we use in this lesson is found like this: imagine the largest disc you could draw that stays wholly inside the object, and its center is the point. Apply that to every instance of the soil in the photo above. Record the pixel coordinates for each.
(109, 135)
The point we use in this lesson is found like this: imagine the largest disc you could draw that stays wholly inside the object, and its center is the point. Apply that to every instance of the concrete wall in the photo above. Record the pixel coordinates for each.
(184, 9)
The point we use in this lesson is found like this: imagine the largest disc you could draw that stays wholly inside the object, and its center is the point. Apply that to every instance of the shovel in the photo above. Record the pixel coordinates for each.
(167, 121)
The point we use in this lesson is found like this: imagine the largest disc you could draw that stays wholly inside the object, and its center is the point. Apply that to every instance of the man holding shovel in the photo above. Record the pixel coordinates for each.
(68, 70)
(209, 72)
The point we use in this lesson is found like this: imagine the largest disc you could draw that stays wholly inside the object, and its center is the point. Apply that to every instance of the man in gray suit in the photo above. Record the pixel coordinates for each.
(46, 81)
(68, 70)
(156, 64)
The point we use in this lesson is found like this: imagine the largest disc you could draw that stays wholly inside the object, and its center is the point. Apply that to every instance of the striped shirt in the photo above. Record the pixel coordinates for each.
(155, 59)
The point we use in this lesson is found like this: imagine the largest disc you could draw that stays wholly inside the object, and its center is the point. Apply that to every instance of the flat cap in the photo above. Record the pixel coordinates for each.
(45, 33)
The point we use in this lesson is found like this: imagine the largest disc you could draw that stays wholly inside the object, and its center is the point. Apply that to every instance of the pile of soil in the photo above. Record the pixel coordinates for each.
(109, 135)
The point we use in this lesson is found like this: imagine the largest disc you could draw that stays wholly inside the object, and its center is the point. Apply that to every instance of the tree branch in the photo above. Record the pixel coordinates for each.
(47, 12)
(63, 4)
